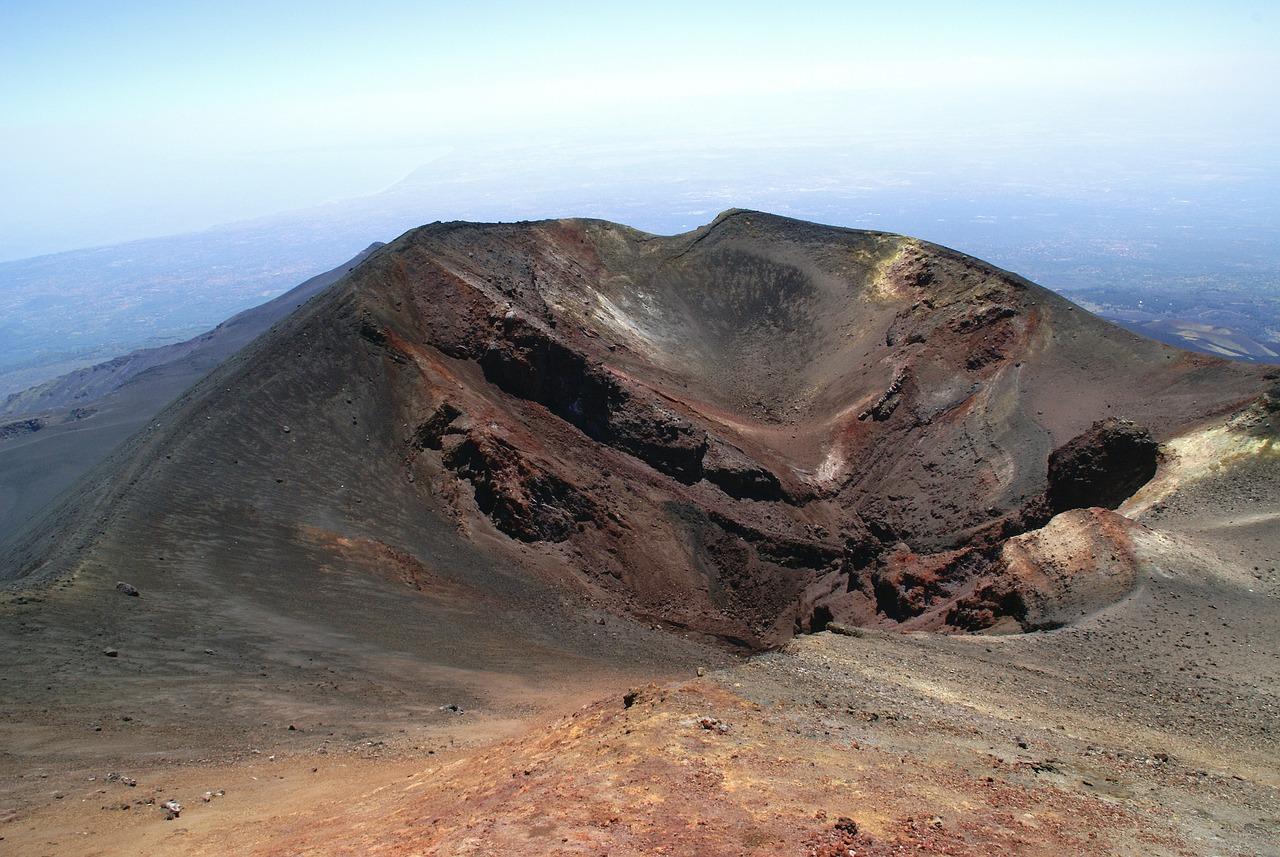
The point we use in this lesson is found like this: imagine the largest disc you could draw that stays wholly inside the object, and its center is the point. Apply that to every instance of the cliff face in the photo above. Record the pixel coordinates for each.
(745, 431)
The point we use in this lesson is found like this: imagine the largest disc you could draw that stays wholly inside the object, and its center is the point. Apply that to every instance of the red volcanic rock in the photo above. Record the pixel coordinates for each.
(906, 584)
(530, 362)
(1080, 562)
(524, 500)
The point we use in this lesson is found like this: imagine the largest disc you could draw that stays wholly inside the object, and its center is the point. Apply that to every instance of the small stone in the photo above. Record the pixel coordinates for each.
(1022, 744)
(629, 698)
(847, 825)
(127, 589)
(702, 671)
(172, 809)
(111, 653)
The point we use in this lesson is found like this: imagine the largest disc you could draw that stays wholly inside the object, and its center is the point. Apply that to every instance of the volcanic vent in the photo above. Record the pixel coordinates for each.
(745, 431)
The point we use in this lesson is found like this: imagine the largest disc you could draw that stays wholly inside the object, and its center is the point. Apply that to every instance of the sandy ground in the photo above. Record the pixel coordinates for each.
(933, 745)
(1147, 728)
(285, 704)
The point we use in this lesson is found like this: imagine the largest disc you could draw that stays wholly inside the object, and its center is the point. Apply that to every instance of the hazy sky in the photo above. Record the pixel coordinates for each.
(125, 120)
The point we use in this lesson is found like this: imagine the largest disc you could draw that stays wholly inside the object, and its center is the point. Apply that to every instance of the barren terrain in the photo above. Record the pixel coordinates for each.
(564, 538)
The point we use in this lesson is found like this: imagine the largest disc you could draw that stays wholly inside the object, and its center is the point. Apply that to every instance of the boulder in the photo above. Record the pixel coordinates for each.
(1102, 467)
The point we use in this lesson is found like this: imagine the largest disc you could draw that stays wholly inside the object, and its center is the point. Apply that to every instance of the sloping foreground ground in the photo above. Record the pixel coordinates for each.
(1146, 728)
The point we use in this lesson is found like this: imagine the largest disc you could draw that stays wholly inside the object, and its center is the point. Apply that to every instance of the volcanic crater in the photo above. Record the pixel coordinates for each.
(746, 431)
(765, 426)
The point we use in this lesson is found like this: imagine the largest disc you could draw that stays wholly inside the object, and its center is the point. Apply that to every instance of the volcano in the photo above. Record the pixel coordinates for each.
(421, 550)
(742, 432)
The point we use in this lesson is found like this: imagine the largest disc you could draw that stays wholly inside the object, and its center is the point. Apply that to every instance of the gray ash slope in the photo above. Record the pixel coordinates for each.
(53, 433)
(203, 352)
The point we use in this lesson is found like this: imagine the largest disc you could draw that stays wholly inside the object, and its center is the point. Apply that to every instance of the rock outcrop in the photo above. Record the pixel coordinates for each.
(1101, 467)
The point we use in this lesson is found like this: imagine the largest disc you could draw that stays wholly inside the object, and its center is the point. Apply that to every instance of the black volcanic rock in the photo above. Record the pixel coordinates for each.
(17, 428)
(1103, 467)
(523, 500)
(729, 467)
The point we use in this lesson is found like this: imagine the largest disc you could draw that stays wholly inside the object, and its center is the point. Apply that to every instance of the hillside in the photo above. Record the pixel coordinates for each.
(53, 433)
